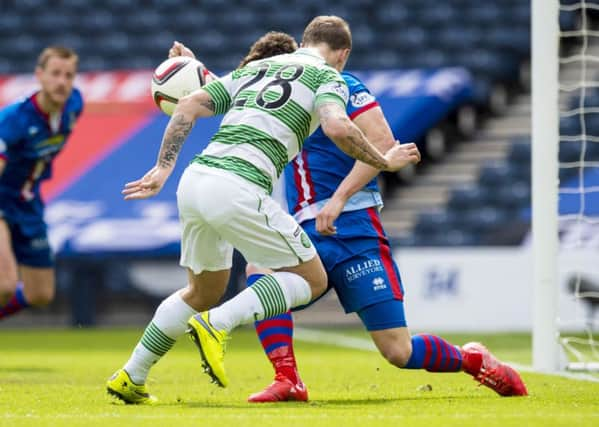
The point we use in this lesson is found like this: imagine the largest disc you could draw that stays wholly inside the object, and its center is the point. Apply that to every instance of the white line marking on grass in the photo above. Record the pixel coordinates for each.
(347, 341)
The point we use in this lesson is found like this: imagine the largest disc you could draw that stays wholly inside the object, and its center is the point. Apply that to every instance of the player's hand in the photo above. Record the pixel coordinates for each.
(179, 49)
(325, 220)
(148, 186)
(401, 155)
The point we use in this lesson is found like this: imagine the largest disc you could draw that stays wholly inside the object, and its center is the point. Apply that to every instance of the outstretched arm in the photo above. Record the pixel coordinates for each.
(376, 129)
(347, 136)
(351, 140)
(198, 104)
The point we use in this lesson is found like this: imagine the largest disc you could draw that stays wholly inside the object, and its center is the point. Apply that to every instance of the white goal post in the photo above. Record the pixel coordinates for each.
(545, 183)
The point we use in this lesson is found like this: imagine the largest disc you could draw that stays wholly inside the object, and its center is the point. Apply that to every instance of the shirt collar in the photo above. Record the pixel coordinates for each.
(311, 51)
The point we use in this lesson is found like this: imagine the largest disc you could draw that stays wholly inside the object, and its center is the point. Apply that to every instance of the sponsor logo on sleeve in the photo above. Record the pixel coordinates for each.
(361, 99)
(341, 90)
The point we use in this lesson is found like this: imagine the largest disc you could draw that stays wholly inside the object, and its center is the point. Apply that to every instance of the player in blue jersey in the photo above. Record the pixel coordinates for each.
(337, 201)
(32, 132)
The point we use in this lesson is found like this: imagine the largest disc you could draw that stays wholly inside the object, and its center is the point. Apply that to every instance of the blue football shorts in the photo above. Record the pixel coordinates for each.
(30, 241)
(361, 269)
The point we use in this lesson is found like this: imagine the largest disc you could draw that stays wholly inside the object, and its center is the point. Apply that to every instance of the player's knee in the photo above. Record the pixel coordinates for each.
(319, 285)
(251, 269)
(41, 297)
(397, 355)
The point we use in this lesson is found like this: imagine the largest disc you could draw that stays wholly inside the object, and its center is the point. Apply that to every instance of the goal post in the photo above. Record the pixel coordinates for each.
(545, 182)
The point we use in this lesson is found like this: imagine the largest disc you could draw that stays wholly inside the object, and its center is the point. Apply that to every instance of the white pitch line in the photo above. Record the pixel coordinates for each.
(346, 341)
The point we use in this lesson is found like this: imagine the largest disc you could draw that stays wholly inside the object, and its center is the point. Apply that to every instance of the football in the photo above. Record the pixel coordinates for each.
(175, 78)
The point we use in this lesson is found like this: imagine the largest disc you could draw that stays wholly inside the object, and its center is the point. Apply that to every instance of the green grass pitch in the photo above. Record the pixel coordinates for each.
(56, 378)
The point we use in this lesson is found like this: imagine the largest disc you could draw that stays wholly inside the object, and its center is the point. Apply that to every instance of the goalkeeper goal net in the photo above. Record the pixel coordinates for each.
(565, 184)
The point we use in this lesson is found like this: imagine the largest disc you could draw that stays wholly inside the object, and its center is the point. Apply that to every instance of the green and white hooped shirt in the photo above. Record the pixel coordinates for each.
(270, 108)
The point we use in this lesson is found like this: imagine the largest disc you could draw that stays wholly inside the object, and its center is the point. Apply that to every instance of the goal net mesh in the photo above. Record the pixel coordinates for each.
(578, 309)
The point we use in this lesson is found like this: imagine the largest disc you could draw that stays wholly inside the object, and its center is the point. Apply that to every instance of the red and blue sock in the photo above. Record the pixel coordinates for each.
(276, 337)
(434, 354)
(15, 304)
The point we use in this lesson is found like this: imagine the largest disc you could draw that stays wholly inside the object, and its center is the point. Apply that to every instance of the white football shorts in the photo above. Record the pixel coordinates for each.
(220, 211)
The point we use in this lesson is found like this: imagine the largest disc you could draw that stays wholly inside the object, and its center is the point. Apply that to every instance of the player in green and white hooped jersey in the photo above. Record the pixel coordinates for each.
(224, 195)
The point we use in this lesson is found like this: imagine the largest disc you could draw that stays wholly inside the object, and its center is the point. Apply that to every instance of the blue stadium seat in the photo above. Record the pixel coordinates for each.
(93, 63)
(520, 151)
(516, 40)
(393, 16)
(11, 24)
(485, 219)
(434, 221)
(484, 14)
(465, 198)
(569, 126)
(495, 174)
(495, 64)
(513, 195)
(451, 237)
(143, 21)
(95, 22)
(72, 40)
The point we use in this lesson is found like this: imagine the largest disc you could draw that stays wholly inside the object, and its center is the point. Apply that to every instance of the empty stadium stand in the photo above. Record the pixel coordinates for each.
(478, 183)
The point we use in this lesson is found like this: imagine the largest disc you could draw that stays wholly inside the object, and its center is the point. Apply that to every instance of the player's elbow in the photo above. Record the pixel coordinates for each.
(185, 105)
(336, 129)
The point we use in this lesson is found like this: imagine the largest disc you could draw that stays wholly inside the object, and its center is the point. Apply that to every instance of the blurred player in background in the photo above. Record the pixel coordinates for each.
(337, 201)
(32, 133)
(224, 196)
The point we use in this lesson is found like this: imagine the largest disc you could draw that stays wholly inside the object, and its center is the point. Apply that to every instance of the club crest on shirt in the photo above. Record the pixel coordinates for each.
(305, 240)
(360, 99)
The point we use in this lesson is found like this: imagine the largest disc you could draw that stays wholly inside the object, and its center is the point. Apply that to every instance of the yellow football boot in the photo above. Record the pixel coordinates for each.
(211, 344)
(121, 386)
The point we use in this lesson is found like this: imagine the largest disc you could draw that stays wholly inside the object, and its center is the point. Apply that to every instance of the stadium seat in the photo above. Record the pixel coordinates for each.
(569, 126)
(11, 24)
(465, 198)
(520, 151)
(483, 220)
(434, 221)
(452, 237)
(495, 175)
(513, 195)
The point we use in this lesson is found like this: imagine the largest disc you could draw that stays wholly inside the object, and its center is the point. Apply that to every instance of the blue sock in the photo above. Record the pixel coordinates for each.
(434, 354)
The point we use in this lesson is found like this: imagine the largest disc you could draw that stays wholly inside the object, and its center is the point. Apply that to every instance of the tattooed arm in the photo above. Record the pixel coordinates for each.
(198, 104)
(351, 140)
(347, 136)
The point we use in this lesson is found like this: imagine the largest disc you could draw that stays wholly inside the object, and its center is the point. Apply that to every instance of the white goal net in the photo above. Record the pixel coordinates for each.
(578, 325)
(566, 216)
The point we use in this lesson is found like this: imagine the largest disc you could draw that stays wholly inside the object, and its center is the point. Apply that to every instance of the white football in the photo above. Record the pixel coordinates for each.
(175, 78)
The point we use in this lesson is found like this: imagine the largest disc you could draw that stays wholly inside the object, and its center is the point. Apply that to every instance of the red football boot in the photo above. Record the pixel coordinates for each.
(478, 361)
(282, 389)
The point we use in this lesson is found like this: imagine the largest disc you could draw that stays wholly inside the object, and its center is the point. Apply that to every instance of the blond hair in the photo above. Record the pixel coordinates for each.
(331, 30)
(59, 51)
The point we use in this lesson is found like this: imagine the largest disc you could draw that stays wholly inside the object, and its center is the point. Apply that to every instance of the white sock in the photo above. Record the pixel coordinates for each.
(168, 324)
(272, 294)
